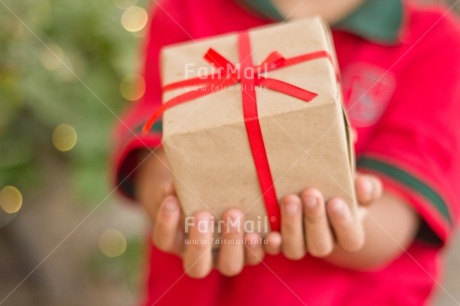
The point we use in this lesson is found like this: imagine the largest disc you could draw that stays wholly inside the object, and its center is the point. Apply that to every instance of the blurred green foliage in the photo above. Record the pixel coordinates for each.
(126, 267)
(62, 62)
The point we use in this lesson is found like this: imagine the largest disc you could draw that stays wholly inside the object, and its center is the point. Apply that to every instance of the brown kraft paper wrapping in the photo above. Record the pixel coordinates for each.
(307, 144)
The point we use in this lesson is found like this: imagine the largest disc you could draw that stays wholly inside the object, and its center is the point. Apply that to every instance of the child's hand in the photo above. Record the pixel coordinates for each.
(154, 190)
(236, 248)
(308, 225)
(311, 225)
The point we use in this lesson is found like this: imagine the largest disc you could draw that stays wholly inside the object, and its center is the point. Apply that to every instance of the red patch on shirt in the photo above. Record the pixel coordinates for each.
(367, 90)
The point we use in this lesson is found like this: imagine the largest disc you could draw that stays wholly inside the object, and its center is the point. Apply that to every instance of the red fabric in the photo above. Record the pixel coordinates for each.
(404, 100)
(311, 281)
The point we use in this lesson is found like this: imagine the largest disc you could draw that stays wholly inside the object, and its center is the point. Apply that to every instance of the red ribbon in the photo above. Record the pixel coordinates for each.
(249, 76)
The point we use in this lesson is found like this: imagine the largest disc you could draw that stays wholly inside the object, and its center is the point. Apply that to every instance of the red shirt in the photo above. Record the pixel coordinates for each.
(404, 100)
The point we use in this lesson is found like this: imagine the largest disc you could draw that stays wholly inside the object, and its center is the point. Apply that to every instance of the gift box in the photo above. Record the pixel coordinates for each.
(251, 117)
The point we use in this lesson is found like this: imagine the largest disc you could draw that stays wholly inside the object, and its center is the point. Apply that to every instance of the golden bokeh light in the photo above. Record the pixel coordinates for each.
(134, 19)
(64, 137)
(112, 243)
(132, 87)
(52, 57)
(10, 199)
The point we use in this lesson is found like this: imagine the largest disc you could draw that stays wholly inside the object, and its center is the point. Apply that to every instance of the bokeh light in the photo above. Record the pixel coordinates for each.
(112, 243)
(132, 87)
(64, 137)
(51, 57)
(10, 199)
(134, 19)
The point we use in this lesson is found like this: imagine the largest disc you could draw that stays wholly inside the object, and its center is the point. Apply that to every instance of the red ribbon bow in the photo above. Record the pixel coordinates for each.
(249, 76)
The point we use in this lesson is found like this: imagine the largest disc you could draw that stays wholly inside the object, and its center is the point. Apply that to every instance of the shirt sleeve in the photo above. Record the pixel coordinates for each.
(167, 26)
(416, 147)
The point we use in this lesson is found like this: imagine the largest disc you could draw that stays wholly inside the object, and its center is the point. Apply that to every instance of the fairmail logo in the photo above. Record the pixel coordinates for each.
(230, 71)
(261, 224)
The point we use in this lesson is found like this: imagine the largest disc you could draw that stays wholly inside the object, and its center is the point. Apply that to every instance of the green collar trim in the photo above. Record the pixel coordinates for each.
(375, 20)
(265, 8)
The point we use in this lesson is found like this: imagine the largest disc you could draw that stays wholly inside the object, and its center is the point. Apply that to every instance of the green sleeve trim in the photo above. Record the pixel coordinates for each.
(157, 127)
(127, 185)
(409, 181)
